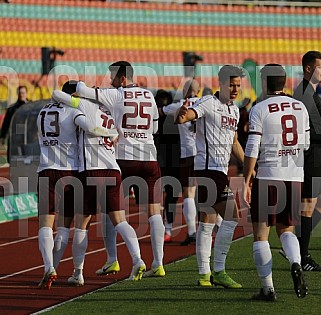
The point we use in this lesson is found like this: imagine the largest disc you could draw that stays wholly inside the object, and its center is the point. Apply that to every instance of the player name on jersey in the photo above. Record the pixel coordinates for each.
(135, 135)
(289, 152)
(50, 143)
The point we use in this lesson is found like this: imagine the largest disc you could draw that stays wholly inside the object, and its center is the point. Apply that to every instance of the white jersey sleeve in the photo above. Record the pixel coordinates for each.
(203, 105)
(254, 138)
(90, 122)
(107, 97)
(171, 109)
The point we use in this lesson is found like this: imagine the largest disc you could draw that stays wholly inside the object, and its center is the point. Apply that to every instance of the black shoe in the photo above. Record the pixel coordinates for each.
(300, 287)
(190, 239)
(308, 264)
(271, 297)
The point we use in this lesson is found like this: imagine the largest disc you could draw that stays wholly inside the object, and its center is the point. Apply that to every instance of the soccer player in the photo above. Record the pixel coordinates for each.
(278, 135)
(57, 175)
(135, 115)
(101, 179)
(216, 137)
(306, 92)
(167, 142)
(187, 132)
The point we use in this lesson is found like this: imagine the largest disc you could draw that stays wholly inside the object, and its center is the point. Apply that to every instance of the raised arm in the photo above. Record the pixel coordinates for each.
(84, 122)
(90, 127)
(185, 114)
(84, 91)
(170, 109)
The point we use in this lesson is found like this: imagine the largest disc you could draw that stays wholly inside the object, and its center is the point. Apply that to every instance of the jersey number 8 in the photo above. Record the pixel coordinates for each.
(286, 131)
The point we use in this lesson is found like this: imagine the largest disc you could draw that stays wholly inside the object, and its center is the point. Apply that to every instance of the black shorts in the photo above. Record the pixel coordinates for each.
(276, 202)
(213, 187)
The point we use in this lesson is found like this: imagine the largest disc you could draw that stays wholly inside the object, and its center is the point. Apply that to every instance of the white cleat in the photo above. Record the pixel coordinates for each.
(76, 281)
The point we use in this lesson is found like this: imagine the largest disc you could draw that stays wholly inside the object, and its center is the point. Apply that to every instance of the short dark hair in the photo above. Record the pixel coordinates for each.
(21, 87)
(207, 91)
(230, 71)
(122, 68)
(163, 98)
(274, 75)
(70, 87)
(310, 57)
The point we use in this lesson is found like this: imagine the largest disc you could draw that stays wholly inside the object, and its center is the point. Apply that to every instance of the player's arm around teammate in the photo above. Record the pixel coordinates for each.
(136, 118)
(97, 167)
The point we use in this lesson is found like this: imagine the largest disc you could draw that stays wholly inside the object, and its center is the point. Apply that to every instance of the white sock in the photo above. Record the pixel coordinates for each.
(219, 220)
(203, 247)
(168, 226)
(157, 238)
(130, 238)
(291, 247)
(109, 236)
(222, 244)
(189, 211)
(79, 247)
(263, 261)
(46, 245)
(61, 242)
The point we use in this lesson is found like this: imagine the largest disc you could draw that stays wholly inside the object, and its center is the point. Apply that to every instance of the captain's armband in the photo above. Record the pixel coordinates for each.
(75, 101)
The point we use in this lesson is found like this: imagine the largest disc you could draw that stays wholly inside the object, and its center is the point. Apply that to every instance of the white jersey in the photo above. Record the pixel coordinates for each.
(215, 130)
(57, 137)
(281, 126)
(187, 131)
(135, 114)
(96, 152)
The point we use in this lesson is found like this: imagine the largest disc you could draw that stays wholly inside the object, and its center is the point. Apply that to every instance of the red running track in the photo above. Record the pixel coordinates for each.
(21, 267)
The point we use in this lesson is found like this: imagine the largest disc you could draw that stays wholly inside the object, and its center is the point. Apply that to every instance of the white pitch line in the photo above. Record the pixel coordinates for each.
(34, 237)
(70, 258)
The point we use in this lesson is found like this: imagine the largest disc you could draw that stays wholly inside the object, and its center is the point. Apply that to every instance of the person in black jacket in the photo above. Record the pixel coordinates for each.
(306, 92)
(22, 93)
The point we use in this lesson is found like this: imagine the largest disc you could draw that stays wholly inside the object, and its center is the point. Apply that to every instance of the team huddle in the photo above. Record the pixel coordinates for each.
(98, 143)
